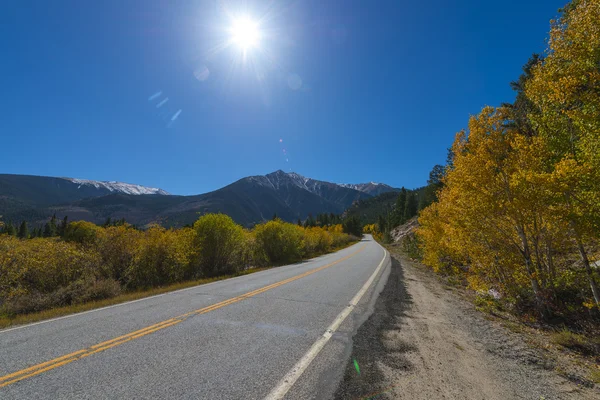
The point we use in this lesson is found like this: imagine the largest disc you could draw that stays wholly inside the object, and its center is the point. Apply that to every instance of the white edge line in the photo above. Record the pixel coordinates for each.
(203, 285)
(286, 383)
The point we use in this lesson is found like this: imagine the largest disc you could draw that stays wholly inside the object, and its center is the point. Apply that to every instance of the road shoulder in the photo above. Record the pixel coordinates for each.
(424, 341)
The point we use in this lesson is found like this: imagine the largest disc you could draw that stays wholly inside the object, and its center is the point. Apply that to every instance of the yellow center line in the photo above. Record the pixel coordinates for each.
(97, 348)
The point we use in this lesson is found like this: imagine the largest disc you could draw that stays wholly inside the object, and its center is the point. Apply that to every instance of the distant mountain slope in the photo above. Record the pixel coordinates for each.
(248, 201)
(369, 210)
(44, 190)
(372, 188)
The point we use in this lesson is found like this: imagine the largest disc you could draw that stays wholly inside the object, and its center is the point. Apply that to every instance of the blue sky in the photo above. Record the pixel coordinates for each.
(352, 90)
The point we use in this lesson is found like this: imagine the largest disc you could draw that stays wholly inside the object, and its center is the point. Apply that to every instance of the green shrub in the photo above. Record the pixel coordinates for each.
(41, 273)
(82, 232)
(161, 257)
(219, 242)
(117, 246)
(278, 242)
(316, 241)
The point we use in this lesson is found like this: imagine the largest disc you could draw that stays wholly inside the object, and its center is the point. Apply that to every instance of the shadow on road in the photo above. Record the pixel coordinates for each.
(372, 344)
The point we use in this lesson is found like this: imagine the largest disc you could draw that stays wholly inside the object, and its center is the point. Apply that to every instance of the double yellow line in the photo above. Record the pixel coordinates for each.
(97, 348)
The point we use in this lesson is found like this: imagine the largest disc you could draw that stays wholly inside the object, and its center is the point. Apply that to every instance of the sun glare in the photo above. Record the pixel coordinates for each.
(245, 33)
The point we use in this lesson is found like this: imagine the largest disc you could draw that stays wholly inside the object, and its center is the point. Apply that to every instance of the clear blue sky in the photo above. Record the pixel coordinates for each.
(357, 90)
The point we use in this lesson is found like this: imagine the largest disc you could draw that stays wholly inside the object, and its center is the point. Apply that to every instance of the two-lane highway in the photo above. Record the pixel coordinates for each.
(284, 332)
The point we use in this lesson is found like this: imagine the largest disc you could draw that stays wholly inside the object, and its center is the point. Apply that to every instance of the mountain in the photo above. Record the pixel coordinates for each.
(118, 187)
(248, 201)
(25, 197)
(370, 209)
(371, 188)
(44, 190)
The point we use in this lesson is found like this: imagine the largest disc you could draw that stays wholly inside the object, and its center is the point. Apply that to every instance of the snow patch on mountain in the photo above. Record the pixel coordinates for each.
(119, 187)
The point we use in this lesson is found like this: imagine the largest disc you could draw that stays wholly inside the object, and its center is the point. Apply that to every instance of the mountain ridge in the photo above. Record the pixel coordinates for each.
(248, 201)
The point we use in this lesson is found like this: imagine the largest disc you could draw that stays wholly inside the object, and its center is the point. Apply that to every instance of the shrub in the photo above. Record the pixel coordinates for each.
(40, 273)
(278, 242)
(219, 241)
(316, 241)
(117, 246)
(577, 342)
(82, 232)
(161, 257)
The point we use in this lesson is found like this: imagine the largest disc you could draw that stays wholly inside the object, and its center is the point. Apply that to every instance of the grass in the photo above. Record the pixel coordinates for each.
(574, 341)
(21, 319)
(595, 375)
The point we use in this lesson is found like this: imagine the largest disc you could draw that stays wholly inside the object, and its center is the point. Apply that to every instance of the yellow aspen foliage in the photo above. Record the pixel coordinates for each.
(91, 262)
(492, 214)
(565, 89)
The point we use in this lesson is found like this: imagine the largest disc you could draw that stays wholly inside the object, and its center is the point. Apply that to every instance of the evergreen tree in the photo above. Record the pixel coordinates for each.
(63, 226)
(10, 229)
(23, 230)
(400, 206)
(434, 184)
(53, 226)
(310, 222)
(107, 223)
(382, 224)
(47, 230)
(274, 216)
(299, 222)
(352, 226)
(410, 210)
(522, 108)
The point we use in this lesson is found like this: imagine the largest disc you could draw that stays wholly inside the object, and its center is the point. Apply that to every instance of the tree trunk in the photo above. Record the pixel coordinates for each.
(586, 265)
(535, 285)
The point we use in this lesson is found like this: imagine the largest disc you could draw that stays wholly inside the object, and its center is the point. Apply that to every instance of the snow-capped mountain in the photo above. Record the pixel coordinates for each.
(248, 201)
(279, 178)
(118, 187)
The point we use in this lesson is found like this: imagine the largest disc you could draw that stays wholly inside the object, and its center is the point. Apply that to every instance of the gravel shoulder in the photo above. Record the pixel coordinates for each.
(424, 341)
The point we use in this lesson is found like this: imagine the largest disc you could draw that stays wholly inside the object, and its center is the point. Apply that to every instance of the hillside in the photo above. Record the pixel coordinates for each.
(248, 201)
(369, 210)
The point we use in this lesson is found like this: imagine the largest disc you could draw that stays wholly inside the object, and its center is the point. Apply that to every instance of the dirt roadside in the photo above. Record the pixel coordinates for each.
(425, 342)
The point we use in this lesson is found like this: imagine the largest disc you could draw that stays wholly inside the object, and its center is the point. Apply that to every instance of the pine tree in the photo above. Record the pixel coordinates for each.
(410, 209)
(382, 224)
(63, 226)
(47, 230)
(352, 226)
(53, 226)
(10, 229)
(400, 206)
(23, 230)
(310, 222)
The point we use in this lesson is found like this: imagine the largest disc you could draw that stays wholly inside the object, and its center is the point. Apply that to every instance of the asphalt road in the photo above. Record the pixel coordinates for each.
(281, 332)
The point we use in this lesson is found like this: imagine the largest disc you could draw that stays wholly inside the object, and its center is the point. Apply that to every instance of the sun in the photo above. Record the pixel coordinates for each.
(245, 33)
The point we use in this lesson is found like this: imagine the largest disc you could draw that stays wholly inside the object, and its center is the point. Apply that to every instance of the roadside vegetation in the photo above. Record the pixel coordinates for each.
(518, 214)
(84, 265)
(514, 215)
(516, 210)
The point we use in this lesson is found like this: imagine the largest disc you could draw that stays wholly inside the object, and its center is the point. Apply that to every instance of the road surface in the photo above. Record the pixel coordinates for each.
(281, 333)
